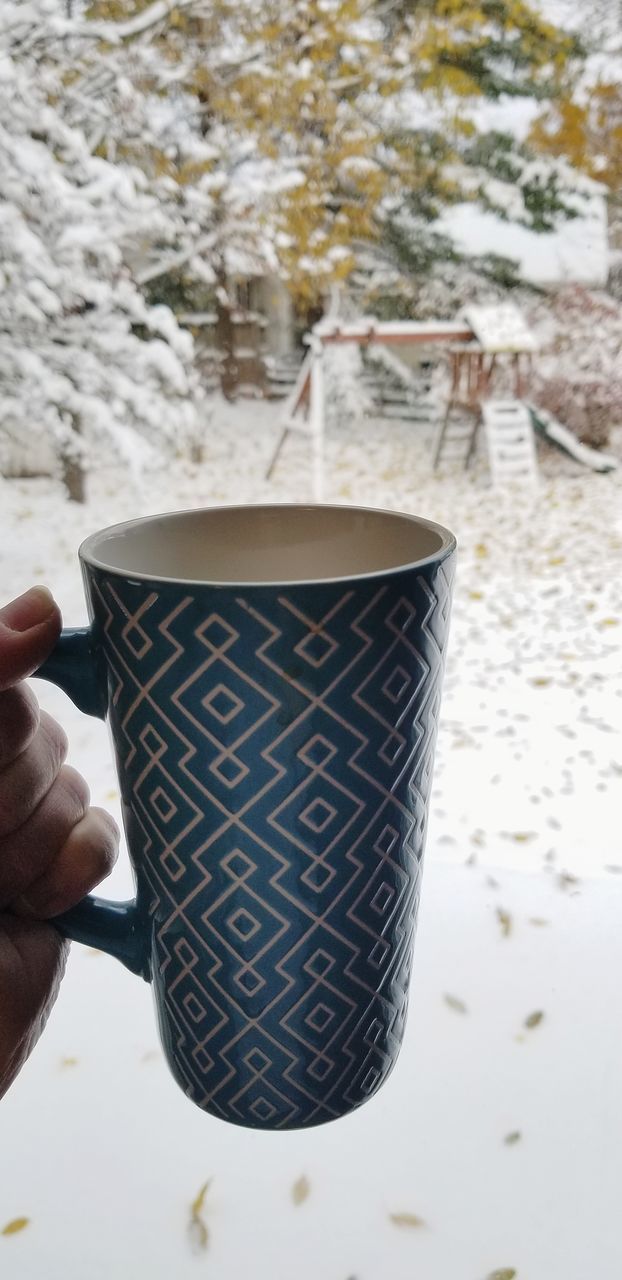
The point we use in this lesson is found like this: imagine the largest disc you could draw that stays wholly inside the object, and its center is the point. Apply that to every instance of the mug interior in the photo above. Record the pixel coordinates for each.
(266, 545)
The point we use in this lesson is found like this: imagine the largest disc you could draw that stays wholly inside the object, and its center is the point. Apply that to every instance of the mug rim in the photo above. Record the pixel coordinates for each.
(87, 549)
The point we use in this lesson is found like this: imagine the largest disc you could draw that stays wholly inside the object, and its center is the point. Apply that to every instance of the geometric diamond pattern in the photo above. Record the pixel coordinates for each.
(275, 748)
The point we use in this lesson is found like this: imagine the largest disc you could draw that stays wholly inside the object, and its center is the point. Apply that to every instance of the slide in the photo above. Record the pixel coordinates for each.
(549, 429)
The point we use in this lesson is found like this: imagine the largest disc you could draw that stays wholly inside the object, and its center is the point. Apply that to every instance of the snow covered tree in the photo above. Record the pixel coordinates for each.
(86, 366)
(160, 73)
(584, 125)
(323, 138)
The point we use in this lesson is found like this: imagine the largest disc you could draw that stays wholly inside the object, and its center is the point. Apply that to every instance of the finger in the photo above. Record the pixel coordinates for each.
(25, 782)
(28, 852)
(86, 858)
(29, 629)
(19, 721)
(32, 963)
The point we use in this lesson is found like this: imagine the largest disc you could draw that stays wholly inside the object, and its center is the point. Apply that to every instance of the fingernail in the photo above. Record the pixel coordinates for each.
(29, 610)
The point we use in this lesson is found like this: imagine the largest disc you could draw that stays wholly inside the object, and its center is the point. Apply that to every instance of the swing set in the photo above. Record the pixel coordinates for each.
(476, 345)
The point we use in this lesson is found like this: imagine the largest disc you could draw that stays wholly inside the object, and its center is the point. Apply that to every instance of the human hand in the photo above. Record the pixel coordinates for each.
(53, 847)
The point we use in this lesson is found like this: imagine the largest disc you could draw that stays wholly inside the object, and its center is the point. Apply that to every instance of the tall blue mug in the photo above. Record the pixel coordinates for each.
(272, 679)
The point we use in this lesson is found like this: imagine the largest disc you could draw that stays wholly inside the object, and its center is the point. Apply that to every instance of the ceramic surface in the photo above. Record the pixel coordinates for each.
(274, 746)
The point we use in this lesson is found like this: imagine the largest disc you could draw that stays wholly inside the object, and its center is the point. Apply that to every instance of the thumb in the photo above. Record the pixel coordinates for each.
(29, 629)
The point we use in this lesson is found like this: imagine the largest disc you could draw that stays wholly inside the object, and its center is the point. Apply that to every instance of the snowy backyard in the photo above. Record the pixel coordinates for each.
(196, 200)
(494, 1147)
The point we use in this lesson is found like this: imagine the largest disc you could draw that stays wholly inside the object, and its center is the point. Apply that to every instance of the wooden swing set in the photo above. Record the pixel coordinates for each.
(476, 346)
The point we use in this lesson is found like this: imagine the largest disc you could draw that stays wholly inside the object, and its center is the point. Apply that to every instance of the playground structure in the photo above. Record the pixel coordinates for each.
(482, 344)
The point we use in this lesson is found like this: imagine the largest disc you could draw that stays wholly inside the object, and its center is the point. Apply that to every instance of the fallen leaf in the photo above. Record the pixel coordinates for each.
(534, 1019)
(476, 595)
(481, 550)
(554, 560)
(505, 922)
(69, 1062)
(540, 682)
(15, 1225)
(197, 1204)
(523, 837)
(406, 1220)
(609, 622)
(503, 1273)
(565, 880)
(112, 795)
(512, 1138)
(301, 1190)
(454, 1003)
(197, 1228)
(199, 1234)
(539, 921)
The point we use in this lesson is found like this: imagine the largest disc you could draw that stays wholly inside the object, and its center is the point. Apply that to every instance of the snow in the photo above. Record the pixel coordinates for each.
(500, 328)
(576, 251)
(106, 1155)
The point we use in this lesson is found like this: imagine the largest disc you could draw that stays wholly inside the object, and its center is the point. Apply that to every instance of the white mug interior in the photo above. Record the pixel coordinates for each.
(267, 545)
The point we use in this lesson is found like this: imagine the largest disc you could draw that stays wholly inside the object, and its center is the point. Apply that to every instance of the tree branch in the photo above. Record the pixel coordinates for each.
(117, 32)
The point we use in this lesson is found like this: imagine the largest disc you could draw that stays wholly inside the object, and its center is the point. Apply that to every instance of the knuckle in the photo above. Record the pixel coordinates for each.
(75, 789)
(55, 738)
(106, 839)
(19, 721)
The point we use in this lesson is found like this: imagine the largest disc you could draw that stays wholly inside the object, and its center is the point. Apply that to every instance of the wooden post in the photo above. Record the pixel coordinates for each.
(72, 460)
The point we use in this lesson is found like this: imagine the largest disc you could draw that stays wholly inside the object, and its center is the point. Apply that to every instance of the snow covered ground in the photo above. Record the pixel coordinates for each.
(520, 914)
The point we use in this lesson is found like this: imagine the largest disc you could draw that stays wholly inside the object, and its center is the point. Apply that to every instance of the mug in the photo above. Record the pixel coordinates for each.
(272, 680)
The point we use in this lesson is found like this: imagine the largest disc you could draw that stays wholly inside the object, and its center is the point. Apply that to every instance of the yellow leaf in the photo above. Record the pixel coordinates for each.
(454, 1003)
(481, 550)
(476, 595)
(503, 1273)
(505, 922)
(540, 682)
(406, 1220)
(199, 1200)
(197, 1228)
(69, 1062)
(15, 1225)
(301, 1190)
(523, 837)
(557, 560)
(609, 622)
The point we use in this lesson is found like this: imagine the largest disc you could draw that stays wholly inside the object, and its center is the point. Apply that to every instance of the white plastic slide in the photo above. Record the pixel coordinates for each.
(549, 429)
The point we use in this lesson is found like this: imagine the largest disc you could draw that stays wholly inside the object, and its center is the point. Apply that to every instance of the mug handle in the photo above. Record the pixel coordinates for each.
(77, 666)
